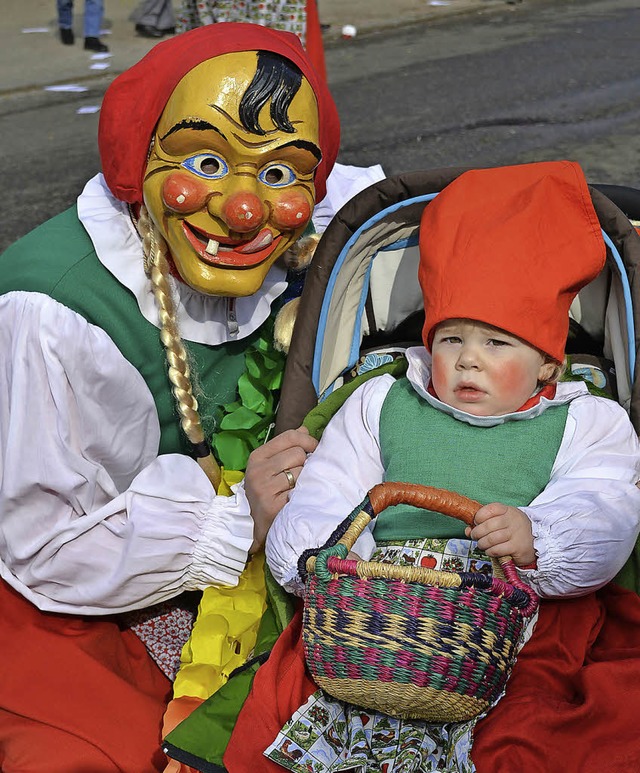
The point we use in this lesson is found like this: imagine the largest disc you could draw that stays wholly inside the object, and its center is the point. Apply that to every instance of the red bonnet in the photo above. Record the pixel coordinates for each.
(134, 102)
(511, 247)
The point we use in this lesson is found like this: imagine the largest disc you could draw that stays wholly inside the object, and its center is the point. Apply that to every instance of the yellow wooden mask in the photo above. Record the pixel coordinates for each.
(228, 199)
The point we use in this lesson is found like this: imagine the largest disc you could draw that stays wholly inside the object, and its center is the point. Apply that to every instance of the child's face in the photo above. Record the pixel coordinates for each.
(483, 370)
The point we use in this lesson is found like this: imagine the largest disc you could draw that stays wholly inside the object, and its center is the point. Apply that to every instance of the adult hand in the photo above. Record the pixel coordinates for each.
(272, 471)
(501, 530)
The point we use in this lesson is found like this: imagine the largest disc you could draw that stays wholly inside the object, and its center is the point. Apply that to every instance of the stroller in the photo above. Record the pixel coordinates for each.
(362, 307)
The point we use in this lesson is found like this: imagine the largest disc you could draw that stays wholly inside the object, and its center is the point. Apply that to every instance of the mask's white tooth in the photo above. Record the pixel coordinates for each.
(212, 247)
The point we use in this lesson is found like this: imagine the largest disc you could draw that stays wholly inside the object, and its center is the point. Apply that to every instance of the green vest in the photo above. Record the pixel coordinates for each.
(58, 259)
(509, 463)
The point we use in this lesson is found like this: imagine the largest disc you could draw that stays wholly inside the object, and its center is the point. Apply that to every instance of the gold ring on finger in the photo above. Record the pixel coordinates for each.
(290, 479)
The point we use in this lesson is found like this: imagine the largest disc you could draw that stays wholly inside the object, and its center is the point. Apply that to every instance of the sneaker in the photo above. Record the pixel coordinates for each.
(146, 31)
(67, 36)
(95, 44)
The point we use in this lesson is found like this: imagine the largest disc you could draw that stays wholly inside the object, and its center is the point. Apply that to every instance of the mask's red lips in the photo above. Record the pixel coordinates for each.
(222, 251)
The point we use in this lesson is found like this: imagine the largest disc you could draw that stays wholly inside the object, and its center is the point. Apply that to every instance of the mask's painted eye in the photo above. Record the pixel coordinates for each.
(206, 165)
(277, 176)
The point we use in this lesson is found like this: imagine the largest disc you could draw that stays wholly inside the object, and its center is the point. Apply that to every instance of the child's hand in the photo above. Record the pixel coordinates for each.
(501, 530)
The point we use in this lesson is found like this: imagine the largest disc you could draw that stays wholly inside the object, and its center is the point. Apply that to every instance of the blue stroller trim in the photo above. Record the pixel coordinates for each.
(322, 323)
(628, 304)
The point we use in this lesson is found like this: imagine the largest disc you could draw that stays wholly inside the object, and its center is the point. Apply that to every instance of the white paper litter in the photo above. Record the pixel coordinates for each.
(87, 109)
(27, 30)
(67, 87)
(104, 55)
(100, 66)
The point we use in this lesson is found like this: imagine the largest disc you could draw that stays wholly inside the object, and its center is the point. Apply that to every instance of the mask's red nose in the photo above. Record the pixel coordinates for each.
(243, 212)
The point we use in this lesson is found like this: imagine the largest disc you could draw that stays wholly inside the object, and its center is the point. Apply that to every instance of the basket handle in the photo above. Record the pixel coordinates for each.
(331, 556)
(385, 495)
(426, 497)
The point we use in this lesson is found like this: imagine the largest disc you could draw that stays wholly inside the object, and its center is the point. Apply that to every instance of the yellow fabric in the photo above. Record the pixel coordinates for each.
(226, 626)
(229, 478)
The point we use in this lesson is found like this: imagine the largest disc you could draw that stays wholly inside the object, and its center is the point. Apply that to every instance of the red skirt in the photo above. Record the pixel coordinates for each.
(76, 694)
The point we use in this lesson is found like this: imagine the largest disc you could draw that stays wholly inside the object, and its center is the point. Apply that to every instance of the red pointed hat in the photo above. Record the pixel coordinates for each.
(511, 247)
(134, 102)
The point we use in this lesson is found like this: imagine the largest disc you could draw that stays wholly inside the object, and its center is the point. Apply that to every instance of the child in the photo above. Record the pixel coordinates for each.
(503, 254)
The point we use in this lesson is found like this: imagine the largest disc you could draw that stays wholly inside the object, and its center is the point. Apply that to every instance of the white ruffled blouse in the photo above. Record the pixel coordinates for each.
(92, 520)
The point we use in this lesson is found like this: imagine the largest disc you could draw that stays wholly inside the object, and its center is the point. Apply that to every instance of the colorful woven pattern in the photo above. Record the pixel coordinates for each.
(414, 643)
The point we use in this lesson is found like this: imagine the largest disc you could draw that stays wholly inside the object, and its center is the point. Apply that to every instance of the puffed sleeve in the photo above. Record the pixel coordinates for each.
(92, 521)
(587, 519)
(333, 481)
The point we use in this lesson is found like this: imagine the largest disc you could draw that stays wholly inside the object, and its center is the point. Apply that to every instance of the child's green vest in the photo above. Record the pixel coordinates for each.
(509, 463)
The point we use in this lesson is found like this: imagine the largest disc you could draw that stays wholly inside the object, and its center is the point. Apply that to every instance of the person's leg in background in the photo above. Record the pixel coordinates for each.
(65, 21)
(93, 15)
(154, 18)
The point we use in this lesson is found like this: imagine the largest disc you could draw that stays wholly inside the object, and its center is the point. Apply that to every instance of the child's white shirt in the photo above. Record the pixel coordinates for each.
(585, 522)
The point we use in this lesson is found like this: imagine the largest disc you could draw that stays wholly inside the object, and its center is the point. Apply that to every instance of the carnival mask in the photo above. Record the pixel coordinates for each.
(229, 180)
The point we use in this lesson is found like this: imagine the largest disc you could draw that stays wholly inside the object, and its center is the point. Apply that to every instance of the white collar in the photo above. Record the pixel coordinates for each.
(419, 375)
(201, 318)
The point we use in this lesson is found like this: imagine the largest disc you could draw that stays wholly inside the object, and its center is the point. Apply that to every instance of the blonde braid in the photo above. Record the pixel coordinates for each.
(157, 269)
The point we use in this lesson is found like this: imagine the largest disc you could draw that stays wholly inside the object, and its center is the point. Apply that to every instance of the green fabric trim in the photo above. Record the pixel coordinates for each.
(197, 763)
(282, 604)
(318, 418)
(206, 732)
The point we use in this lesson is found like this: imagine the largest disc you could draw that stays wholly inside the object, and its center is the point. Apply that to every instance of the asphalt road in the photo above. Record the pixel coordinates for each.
(557, 80)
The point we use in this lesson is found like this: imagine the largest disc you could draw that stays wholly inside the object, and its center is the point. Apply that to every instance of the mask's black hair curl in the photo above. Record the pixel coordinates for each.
(276, 79)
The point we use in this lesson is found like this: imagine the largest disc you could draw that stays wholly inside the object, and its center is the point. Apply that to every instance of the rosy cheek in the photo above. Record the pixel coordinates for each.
(291, 211)
(512, 377)
(438, 373)
(184, 193)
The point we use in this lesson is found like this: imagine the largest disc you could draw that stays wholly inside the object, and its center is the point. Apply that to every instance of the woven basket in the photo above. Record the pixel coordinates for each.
(408, 641)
